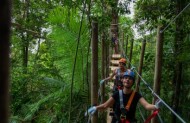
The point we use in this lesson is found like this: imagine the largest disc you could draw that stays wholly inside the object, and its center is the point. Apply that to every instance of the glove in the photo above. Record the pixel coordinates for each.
(102, 81)
(91, 110)
(158, 104)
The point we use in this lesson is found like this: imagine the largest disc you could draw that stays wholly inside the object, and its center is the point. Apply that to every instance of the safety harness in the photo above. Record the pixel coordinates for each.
(118, 79)
(126, 108)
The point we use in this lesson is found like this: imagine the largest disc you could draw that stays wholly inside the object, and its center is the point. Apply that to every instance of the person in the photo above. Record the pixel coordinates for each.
(115, 43)
(118, 73)
(120, 113)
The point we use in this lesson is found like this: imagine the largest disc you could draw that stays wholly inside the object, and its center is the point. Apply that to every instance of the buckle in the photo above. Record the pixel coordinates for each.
(123, 111)
(122, 116)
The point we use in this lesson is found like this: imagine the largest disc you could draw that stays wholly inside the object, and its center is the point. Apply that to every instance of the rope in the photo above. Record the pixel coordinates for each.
(161, 121)
(89, 119)
(141, 113)
(153, 93)
(99, 95)
(174, 19)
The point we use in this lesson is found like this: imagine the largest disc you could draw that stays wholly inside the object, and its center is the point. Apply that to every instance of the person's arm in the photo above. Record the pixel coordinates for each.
(105, 105)
(146, 105)
(112, 75)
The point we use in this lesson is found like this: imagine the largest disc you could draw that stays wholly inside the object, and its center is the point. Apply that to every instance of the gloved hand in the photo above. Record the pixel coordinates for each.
(102, 81)
(91, 110)
(158, 103)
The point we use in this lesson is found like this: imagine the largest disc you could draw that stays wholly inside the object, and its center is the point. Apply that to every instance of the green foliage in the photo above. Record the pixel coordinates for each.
(40, 90)
(151, 13)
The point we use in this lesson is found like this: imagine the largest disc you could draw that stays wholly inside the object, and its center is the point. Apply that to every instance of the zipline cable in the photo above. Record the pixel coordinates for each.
(174, 19)
(153, 93)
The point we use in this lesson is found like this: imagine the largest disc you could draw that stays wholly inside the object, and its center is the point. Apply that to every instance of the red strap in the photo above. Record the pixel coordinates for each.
(152, 116)
(119, 88)
(124, 121)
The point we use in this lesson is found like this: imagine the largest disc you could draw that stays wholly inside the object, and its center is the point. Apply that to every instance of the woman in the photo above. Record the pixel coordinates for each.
(118, 73)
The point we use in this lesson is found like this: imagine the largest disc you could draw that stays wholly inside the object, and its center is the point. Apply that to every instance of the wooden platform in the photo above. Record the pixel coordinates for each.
(116, 56)
(114, 62)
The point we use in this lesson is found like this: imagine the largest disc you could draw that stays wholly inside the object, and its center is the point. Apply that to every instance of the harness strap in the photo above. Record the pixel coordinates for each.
(130, 100)
(119, 88)
(121, 98)
(124, 121)
(119, 74)
(152, 116)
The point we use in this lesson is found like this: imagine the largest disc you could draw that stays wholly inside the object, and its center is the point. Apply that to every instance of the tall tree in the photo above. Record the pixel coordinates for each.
(5, 24)
(178, 48)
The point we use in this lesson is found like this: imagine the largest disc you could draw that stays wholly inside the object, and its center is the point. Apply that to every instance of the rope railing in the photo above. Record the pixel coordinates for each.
(161, 121)
(142, 116)
(152, 91)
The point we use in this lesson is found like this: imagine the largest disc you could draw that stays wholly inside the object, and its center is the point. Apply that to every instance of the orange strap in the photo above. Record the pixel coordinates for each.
(130, 100)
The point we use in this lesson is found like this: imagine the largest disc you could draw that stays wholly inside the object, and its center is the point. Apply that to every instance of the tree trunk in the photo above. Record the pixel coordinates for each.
(127, 37)
(140, 64)
(114, 23)
(131, 53)
(178, 63)
(122, 48)
(158, 66)
(25, 38)
(94, 69)
(103, 68)
(5, 24)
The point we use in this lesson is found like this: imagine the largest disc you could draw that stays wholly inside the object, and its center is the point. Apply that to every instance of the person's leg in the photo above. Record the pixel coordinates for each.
(116, 48)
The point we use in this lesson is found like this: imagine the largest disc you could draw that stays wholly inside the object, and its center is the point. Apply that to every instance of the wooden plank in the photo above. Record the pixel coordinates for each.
(116, 56)
(115, 62)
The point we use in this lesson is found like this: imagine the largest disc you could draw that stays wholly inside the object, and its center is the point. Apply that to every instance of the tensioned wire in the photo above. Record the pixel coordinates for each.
(161, 31)
(147, 85)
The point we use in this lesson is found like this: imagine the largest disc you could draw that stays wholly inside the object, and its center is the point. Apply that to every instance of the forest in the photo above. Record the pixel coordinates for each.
(51, 55)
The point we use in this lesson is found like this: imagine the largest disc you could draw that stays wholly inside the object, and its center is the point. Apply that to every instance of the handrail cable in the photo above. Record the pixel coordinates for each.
(161, 31)
(141, 113)
(153, 93)
(160, 118)
(161, 121)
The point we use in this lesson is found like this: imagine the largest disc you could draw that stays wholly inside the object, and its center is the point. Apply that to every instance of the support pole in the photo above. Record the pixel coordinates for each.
(5, 24)
(158, 66)
(94, 69)
(103, 67)
(131, 53)
(140, 64)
